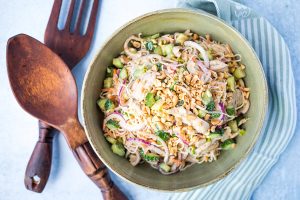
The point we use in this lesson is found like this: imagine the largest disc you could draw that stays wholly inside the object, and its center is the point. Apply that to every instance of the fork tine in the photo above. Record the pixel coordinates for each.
(54, 16)
(79, 20)
(70, 14)
(92, 21)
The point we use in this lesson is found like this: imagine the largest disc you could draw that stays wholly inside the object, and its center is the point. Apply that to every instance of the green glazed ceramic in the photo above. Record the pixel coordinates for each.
(170, 21)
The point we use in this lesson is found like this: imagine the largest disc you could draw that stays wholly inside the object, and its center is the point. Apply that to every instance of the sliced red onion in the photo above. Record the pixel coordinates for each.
(139, 140)
(202, 67)
(123, 123)
(222, 116)
(200, 49)
(120, 101)
(118, 113)
(219, 126)
(114, 115)
(119, 94)
(222, 107)
(182, 139)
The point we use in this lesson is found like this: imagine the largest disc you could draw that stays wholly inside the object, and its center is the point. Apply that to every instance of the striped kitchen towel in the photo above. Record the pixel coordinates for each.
(279, 125)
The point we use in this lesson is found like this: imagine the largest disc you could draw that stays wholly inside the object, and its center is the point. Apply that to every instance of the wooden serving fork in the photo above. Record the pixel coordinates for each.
(71, 47)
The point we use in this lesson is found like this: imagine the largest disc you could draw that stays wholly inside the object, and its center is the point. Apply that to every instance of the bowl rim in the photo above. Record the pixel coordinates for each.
(258, 127)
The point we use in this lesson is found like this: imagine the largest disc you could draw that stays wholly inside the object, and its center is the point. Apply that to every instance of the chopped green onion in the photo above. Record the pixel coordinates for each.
(167, 50)
(109, 71)
(242, 132)
(228, 144)
(165, 167)
(117, 62)
(181, 38)
(201, 113)
(233, 126)
(123, 74)
(111, 140)
(213, 135)
(239, 73)
(217, 133)
(163, 135)
(101, 104)
(112, 124)
(206, 97)
(210, 106)
(172, 86)
(231, 83)
(215, 115)
(109, 105)
(230, 110)
(192, 150)
(158, 50)
(149, 156)
(118, 149)
(108, 82)
(157, 97)
(150, 101)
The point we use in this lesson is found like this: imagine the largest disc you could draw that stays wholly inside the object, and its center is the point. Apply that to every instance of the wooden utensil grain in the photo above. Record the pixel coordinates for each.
(71, 47)
(44, 86)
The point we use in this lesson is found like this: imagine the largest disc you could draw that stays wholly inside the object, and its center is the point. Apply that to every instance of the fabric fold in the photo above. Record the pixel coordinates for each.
(279, 124)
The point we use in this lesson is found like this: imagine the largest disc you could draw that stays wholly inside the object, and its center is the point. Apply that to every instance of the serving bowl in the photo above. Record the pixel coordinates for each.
(170, 21)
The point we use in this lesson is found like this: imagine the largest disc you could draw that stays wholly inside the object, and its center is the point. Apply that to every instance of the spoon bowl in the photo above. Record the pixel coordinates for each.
(39, 88)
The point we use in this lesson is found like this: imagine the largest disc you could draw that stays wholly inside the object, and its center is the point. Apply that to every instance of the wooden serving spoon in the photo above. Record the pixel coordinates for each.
(44, 86)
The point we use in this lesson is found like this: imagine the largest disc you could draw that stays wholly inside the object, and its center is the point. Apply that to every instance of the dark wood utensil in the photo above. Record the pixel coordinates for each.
(44, 86)
(71, 47)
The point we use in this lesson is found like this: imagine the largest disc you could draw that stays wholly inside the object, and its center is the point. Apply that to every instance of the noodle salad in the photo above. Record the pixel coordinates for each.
(174, 100)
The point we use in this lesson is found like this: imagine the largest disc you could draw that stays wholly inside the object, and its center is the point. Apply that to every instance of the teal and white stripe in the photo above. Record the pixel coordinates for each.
(281, 116)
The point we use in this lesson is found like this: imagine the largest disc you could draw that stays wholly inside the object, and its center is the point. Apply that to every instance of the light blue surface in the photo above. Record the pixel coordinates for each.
(66, 180)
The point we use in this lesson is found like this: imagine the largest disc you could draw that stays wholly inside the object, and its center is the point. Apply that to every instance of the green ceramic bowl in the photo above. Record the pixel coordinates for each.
(170, 21)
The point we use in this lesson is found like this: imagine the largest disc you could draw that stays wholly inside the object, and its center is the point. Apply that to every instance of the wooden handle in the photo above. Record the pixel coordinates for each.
(90, 162)
(96, 170)
(39, 165)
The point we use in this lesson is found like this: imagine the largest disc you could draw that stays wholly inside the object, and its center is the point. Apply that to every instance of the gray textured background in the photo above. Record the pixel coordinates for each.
(19, 130)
